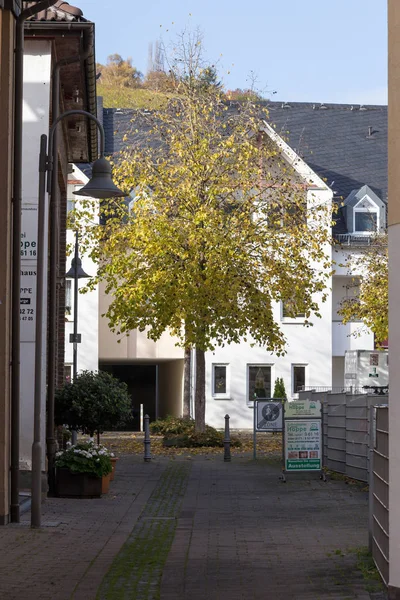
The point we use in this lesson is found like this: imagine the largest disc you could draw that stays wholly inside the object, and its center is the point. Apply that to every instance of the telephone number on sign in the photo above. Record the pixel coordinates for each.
(26, 311)
(26, 319)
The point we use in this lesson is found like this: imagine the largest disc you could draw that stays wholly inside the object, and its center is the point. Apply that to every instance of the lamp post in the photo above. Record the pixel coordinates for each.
(99, 186)
(76, 272)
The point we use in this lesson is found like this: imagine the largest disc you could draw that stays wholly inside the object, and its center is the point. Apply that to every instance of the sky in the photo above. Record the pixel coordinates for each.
(299, 50)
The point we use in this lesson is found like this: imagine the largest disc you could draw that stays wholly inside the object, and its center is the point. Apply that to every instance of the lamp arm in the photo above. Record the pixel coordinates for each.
(76, 111)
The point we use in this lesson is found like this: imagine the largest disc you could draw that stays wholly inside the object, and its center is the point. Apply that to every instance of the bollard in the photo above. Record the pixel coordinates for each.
(146, 442)
(227, 441)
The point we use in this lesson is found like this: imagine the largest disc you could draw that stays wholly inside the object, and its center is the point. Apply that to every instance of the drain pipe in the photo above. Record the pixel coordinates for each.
(54, 252)
(16, 253)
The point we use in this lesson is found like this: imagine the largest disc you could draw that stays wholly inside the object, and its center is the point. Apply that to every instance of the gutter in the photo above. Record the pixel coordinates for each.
(16, 256)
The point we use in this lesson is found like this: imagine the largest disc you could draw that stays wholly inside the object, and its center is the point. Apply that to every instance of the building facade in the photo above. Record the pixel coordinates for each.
(321, 144)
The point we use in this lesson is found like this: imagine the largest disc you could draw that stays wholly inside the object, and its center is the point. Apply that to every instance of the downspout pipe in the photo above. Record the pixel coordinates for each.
(16, 253)
(54, 252)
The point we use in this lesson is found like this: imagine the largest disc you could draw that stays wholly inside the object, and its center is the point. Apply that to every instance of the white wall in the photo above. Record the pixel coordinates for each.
(309, 346)
(37, 71)
(88, 304)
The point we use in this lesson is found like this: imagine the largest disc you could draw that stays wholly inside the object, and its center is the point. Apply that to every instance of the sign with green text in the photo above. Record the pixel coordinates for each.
(302, 408)
(303, 445)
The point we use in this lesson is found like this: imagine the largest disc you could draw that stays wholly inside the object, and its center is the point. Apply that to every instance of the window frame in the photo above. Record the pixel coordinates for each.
(224, 395)
(366, 210)
(250, 402)
(284, 319)
(305, 367)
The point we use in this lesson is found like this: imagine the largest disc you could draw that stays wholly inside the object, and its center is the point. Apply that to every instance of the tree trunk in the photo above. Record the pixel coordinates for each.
(200, 396)
(186, 384)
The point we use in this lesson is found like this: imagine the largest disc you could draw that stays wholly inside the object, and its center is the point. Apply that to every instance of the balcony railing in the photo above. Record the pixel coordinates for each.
(352, 239)
(366, 389)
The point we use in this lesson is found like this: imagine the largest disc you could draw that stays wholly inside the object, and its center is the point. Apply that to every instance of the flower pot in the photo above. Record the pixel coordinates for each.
(114, 465)
(105, 483)
(77, 485)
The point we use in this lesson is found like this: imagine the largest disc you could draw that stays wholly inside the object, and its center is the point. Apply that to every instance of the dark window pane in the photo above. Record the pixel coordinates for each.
(299, 378)
(365, 221)
(219, 380)
(259, 382)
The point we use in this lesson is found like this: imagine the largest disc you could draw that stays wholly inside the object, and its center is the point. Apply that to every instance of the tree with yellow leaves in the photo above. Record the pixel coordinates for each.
(219, 228)
(370, 304)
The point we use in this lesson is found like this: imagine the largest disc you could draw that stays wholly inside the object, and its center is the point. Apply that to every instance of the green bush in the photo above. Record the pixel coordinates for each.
(180, 433)
(279, 390)
(171, 426)
(93, 402)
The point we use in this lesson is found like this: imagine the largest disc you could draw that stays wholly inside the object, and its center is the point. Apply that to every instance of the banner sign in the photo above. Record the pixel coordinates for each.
(302, 408)
(303, 445)
(27, 307)
(269, 416)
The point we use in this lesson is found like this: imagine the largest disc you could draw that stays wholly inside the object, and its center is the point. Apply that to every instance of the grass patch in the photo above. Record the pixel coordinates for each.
(114, 97)
(365, 563)
(137, 569)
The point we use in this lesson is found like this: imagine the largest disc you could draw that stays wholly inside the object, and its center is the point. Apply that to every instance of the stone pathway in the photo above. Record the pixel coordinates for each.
(196, 529)
(242, 534)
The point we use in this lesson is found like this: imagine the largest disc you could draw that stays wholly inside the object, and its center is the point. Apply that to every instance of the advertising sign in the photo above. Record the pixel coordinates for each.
(29, 232)
(302, 408)
(269, 416)
(303, 445)
(27, 308)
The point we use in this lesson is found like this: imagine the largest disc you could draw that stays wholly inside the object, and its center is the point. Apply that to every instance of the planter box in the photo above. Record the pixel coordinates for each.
(77, 485)
(105, 483)
(114, 465)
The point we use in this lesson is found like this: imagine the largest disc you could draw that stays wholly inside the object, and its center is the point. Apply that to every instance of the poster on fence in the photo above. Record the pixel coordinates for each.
(303, 445)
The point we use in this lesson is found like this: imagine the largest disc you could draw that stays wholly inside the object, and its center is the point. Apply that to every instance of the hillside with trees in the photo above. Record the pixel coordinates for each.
(122, 85)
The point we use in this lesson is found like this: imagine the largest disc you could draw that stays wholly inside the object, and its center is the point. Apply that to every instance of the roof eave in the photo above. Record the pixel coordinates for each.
(49, 28)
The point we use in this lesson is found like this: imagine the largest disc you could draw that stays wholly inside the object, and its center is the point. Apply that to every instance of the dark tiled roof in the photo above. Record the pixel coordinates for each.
(345, 145)
(118, 123)
(60, 11)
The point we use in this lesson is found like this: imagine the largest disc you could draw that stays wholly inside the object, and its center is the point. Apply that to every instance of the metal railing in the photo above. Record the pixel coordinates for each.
(366, 389)
(352, 239)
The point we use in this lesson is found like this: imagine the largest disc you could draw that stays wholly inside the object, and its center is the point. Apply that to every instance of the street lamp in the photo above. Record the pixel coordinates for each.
(76, 272)
(100, 186)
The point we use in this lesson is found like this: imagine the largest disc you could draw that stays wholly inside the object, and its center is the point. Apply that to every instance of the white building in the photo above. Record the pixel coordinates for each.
(340, 152)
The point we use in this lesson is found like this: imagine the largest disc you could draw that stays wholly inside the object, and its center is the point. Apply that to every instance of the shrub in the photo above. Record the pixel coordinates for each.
(180, 433)
(279, 390)
(171, 426)
(93, 402)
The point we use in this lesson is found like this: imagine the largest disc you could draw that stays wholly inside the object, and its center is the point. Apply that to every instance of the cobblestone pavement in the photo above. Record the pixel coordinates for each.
(243, 535)
(70, 555)
(203, 529)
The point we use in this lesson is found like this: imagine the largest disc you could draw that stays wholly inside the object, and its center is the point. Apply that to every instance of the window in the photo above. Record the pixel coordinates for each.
(220, 383)
(67, 373)
(365, 221)
(290, 311)
(298, 377)
(68, 296)
(365, 216)
(259, 382)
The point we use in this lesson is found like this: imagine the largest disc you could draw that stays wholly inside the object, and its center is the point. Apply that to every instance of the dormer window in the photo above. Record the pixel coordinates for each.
(366, 216)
